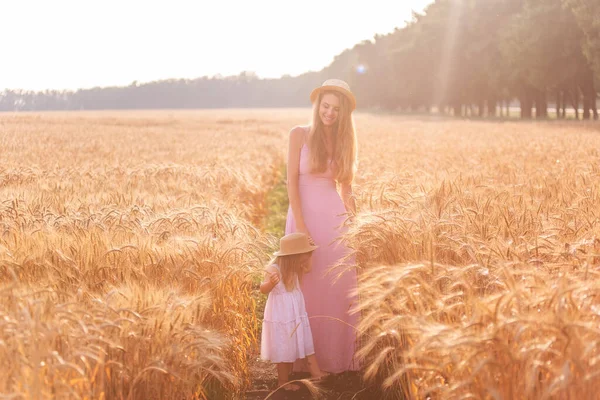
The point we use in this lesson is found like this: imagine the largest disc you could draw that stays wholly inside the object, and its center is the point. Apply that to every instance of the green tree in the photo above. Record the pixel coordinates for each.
(587, 15)
(541, 60)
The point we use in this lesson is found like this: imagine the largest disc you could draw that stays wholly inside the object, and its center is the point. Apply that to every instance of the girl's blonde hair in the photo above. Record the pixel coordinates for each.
(291, 266)
(344, 141)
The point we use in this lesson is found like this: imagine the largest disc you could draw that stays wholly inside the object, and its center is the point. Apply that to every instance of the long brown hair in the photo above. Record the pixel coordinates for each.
(291, 266)
(344, 141)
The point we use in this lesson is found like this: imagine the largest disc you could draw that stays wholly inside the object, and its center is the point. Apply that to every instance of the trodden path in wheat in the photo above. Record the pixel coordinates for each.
(132, 244)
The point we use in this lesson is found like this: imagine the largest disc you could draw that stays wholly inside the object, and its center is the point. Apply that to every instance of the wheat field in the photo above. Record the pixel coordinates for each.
(131, 244)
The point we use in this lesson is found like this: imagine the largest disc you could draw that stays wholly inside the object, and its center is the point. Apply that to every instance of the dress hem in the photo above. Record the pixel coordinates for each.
(278, 362)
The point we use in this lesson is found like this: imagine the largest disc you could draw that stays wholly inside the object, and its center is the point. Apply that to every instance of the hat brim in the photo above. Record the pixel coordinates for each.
(315, 94)
(301, 251)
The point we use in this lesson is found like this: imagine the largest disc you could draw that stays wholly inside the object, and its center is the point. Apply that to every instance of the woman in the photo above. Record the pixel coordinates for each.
(321, 156)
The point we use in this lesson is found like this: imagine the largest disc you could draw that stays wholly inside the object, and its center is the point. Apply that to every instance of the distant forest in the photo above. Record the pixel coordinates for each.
(461, 57)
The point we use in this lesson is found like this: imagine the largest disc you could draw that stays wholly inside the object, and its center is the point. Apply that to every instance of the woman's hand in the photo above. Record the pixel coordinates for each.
(348, 198)
(305, 231)
(351, 219)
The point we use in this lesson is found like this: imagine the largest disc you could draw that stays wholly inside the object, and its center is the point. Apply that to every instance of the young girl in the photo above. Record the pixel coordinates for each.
(286, 334)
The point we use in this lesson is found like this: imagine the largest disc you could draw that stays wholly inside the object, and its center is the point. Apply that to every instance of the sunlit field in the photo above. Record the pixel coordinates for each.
(132, 244)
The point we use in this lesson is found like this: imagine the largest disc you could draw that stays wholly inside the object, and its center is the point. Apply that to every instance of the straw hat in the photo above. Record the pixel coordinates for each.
(294, 243)
(339, 86)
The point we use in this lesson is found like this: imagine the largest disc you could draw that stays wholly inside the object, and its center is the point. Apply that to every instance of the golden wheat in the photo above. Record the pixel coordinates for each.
(131, 243)
(478, 245)
(129, 247)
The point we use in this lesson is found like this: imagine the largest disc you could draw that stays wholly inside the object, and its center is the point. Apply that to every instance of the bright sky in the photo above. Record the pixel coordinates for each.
(69, 44)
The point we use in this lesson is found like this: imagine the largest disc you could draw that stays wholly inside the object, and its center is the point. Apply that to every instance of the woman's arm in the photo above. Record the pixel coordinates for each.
(293, 165)
(348, 198)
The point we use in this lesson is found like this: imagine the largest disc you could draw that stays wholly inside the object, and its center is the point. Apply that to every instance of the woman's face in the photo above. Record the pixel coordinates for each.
(329, 109)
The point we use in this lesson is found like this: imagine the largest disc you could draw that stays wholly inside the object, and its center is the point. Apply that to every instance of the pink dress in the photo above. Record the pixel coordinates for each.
(326, 302)
(286, 335)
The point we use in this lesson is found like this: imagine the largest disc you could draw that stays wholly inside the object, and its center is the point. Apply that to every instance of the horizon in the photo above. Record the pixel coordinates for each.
(73, 42)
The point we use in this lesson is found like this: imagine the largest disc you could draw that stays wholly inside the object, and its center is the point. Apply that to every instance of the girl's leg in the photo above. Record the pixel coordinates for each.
(313, 367)
(290, 369)
(283, 376)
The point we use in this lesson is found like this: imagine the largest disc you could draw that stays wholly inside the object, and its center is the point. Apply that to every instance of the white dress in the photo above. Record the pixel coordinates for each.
(286, 335)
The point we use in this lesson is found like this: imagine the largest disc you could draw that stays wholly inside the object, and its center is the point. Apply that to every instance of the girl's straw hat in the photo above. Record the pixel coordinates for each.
(337, 85)
(294, 243)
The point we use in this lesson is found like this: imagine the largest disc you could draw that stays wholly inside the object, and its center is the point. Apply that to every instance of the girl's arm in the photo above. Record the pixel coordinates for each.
(293, 166)
(348, 198)
(271, 279)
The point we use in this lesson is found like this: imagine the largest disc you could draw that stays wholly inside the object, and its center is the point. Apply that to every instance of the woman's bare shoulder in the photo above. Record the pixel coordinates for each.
(298, 134)
(300, 130)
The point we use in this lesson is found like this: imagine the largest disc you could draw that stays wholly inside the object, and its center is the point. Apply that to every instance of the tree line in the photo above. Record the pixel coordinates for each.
(461, 57)
(470, 56)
